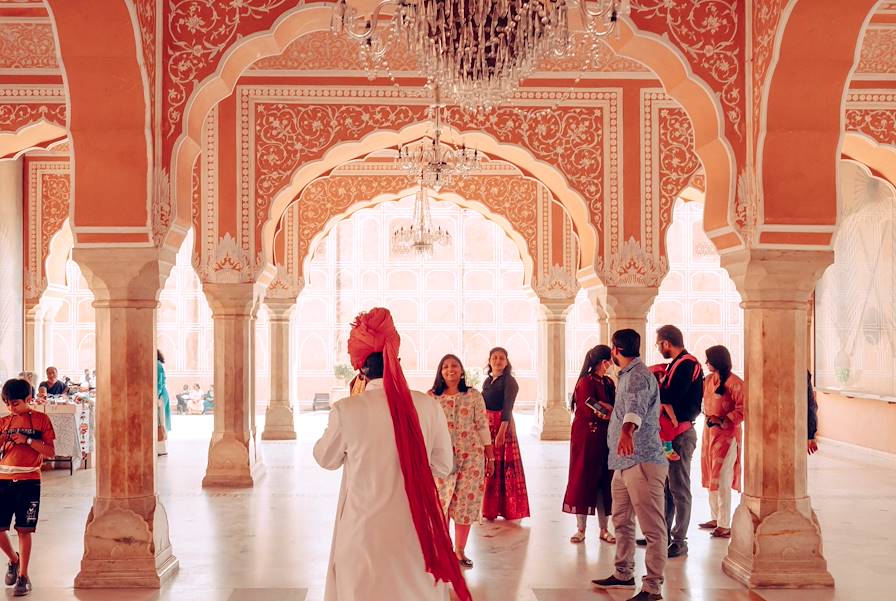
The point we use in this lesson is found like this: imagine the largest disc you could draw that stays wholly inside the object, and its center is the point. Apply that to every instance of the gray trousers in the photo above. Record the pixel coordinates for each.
(638, 492)
(678, 487)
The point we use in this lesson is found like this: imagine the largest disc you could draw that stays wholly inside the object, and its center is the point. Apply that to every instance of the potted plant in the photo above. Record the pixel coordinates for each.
(344, 374)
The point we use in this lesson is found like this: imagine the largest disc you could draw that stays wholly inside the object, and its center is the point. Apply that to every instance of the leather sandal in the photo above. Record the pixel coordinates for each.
(578, 537)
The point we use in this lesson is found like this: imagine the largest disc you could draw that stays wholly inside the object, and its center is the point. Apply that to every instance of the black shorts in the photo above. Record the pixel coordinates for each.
(22, 499)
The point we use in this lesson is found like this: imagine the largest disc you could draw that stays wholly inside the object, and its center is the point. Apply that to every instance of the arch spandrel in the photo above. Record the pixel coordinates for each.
(521, 206)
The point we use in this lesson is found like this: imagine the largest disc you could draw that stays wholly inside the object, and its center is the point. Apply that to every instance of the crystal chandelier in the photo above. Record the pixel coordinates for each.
(420, 236)
(436, 165)
(476, 51)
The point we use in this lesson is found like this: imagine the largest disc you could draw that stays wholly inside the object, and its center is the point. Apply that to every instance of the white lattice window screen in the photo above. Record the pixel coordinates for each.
(855, 344)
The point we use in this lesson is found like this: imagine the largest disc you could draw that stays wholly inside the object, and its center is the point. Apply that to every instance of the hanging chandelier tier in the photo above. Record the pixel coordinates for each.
(435, 164)
(475, 51)
(419, 237)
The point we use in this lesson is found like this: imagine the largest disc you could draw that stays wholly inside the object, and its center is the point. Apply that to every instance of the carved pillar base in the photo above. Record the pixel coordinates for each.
(233, 461)
(279, 423)
(126, 545)
(552, 418)
(126, 541)
(782, 550)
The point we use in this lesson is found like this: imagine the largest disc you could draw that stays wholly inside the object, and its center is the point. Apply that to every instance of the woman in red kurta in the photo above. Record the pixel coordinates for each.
(588, 486)
(723, 404)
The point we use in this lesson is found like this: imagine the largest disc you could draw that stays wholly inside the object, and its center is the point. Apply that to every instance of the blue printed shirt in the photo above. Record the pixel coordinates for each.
(638, 402)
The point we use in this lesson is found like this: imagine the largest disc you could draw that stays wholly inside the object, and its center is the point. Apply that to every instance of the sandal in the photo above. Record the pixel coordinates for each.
(607, 537)
(721, 533)
(578, 537)
(710, 525)
(465, 562)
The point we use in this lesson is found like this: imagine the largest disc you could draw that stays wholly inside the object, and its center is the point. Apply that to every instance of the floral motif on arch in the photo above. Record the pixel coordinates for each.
(326, 51)
(146, 18)
(513, 197)
(708, 32)
(48, 205)
(198, 33)
(871, 112)
(573, 139)
(580, 141)
(27, 45)
(322, 50)
(670, 162)
(14, 116)
(766, 18)
(878, 51)
(879, 124)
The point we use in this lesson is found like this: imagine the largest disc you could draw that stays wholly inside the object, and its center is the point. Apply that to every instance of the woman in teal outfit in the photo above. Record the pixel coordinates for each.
(164, 401)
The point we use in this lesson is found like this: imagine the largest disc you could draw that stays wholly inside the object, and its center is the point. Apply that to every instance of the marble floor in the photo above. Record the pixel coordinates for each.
(271, 543)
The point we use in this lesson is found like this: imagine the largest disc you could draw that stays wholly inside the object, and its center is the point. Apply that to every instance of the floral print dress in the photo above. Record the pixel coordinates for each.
(461, 492)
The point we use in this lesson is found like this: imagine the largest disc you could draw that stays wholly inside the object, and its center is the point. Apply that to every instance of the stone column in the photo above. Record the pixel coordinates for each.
(776, 540)
(33, 336)
(552, 420)
(126, 540)
(39, 316)
(627, 307)
(278, 421)
(234, 458)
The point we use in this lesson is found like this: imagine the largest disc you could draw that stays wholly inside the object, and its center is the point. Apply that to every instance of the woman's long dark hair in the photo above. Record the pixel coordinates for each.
(488, 365)
(439, 386)
(159, 356)
(719, 357)
(593, 358)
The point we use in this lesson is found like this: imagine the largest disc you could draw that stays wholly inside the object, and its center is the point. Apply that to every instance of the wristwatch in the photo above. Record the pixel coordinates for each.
(28, 441)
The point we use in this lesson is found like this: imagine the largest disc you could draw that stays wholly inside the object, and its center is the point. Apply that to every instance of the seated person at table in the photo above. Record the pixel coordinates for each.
(27, 437)
(182, 397)
(195, 403)
(52, 383)
(208, 400)
(42, 393)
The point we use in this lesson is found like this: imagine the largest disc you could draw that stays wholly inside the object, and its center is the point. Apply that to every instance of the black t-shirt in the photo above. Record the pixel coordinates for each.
(58, 388)
(682, 387)
(500, 394)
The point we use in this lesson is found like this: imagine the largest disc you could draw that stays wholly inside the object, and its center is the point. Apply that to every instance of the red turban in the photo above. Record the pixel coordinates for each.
(374, 332)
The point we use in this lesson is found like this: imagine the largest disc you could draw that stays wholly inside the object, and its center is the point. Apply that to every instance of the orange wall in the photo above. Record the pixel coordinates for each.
(869, 423)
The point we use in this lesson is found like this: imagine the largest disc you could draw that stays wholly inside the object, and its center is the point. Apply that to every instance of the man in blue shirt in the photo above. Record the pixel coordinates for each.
(636, 455)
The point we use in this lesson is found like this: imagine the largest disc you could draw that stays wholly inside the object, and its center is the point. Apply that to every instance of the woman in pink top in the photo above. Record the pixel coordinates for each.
(723, 404)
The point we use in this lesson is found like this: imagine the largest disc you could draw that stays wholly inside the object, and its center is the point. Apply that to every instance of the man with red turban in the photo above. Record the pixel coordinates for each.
(390, 541)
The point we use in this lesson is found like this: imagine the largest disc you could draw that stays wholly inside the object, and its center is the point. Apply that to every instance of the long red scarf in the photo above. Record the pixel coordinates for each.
(372, 332)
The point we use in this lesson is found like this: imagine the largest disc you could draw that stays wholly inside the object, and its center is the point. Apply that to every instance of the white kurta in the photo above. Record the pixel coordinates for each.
(376, 553)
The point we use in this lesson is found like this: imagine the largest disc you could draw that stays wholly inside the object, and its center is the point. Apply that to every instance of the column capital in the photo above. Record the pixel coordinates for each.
(551, 310)
(776, 278)
(126, 275)
(280, 309)
(233, 299)
(627, 301)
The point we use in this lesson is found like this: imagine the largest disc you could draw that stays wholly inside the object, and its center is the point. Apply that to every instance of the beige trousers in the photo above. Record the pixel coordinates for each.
(720, 500)
(639, 492)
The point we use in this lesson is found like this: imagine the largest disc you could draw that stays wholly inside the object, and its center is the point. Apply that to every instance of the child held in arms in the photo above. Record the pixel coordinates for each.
(27, 438)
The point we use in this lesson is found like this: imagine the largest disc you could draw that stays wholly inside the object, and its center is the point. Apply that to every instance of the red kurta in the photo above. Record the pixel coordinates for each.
(717, 441)
(588, 450)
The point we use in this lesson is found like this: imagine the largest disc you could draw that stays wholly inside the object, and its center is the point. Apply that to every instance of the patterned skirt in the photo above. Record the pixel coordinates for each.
(505, 491)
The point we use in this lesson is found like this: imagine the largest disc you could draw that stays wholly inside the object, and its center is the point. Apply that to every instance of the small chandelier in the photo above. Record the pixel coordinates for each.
(434, 165)
(420, 236)
(476, 51)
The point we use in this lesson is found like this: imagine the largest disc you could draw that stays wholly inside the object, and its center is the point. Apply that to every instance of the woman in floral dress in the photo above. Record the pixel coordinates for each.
(461, 492)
